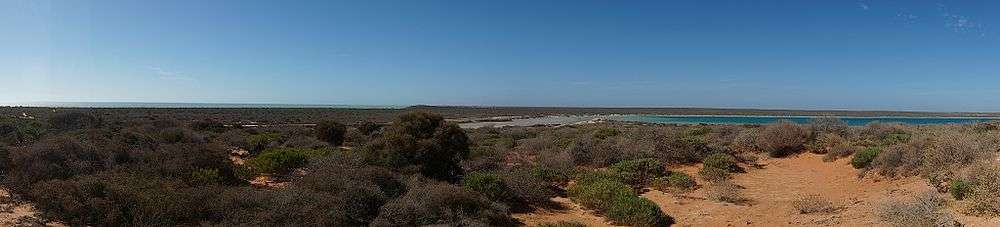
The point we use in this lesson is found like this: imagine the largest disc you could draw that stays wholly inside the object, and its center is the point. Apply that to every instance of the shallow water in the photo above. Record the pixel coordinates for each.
(739, 120)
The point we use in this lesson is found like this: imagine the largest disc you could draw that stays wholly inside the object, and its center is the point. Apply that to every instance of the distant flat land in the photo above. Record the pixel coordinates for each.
(351, 115)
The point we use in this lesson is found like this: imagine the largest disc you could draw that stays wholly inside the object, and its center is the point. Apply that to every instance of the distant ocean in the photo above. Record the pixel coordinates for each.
(761, 120)
(189, 105)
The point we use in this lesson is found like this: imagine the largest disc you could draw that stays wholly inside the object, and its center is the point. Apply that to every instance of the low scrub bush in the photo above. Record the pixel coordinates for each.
(421, 141)
(282, 160)
(720, 161)
(725, 191)
(638, 172)
(637, 211)
(526, 187)
(865, 157)
(828, 125)
(489, 184)
(331, 132)
(714, 174)
(959, 188)
(985, 193)
(813, 204)
(53, 158)
(262, 141)
(838, 151)
(675, 181)
(73, 121)
(617, 201)
(782, 139)
(20, 132)
(437, 203)
(825, 142)
(604, 133)
(924, 210)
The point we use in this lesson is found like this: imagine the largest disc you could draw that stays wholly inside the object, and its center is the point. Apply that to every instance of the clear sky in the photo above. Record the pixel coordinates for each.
(862, 55)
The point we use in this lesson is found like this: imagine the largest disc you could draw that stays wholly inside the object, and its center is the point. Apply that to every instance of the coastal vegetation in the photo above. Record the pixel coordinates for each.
(88, 167)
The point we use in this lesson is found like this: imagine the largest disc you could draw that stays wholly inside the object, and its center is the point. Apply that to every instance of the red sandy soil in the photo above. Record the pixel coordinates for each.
(771, 189)
(16, 213)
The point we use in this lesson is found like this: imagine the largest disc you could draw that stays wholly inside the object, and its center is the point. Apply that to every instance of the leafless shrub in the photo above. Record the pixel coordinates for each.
(726, 191)
(828, 125)
(985, 198)
(924, 210)
(825, 142)
(840, 151)
(745, 141)
(901, 159)
(813, 204)
(954, 149)
(782, 139)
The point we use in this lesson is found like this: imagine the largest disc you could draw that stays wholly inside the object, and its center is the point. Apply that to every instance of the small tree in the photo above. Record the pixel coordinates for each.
(331, 131)
(423, 141)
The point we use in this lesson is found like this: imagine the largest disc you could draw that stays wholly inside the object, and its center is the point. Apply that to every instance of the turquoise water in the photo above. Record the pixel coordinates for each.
(740, 120)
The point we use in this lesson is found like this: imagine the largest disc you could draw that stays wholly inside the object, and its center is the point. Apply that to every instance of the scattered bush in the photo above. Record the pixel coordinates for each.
(73, 121)
(720, 161)
(782, 139)
(725, 191)
(604, 133)
(828, 125)
(423, 141)
(53, 158)
(826, 142)
(331, 132)
(526, 187)
(489, 184)
(959, 189)
(675, 181)
(617, 201)
(19, 132)
(714, 174)
(864, 158)
(440, 203)
(638, 172)
(813, 204)
(923, 210)
(208, 125)
(179, 135)
(985, 193)
(838, 151)
(637, 211)
(282, 160)
(262, 141)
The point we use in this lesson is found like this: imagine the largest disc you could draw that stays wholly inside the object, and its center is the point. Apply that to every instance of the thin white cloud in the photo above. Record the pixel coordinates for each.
(864, 6)
(169, 75)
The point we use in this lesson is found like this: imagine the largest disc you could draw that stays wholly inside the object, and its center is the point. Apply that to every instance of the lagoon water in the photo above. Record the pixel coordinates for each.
(740, 120)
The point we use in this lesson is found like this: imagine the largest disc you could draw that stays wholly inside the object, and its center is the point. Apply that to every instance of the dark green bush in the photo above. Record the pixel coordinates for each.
(598, 193)
(959, 189)
(421, 141)
(638, 172)
(865, 157)
(179, 135)
(208, 125)
(617, 201)
(526, 187)
(489, 184)
(261, 141)
(714, 174)
(281, 160)
(604, 133)
(675, 180)
(20, 132)
(720, 161)
(637, 211)
(73, 120)
(53, 158)
(331, 132)
(436, 203)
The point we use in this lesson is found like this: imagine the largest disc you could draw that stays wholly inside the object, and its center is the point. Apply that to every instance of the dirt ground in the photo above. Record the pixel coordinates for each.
(771, 190)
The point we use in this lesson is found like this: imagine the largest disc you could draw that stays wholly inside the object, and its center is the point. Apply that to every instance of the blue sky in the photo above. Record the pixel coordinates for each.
(861, 55)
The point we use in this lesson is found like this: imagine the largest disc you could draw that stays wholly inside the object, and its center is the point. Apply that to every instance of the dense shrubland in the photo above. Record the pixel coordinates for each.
(87, 169)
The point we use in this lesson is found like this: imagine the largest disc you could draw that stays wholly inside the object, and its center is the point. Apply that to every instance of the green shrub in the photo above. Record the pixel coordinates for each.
(617, 201)
(714, 174)
(720, 161)
(261, 141)
(489, 184)
(604, 133)
(959, 189)
(638, 172)
(637, 211)
(675, 180)
(438, 203)
(20, 132)
(331, 132)
(598, 193)
(863, 158)
(281, 160)
(421, 141)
